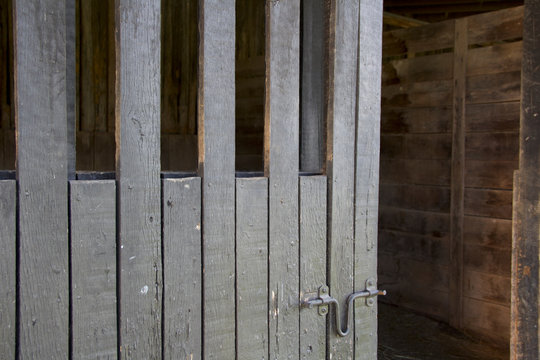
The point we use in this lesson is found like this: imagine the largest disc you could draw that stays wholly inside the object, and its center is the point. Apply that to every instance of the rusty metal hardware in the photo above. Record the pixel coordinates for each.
(324, 300)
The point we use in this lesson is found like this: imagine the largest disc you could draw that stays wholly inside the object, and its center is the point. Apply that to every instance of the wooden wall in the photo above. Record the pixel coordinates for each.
(96, 85)
(449, 145)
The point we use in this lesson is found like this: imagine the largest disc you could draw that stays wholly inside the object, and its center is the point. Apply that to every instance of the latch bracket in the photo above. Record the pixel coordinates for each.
(324, 300)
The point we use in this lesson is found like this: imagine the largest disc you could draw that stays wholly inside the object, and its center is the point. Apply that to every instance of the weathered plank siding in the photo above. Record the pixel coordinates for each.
(137, 172)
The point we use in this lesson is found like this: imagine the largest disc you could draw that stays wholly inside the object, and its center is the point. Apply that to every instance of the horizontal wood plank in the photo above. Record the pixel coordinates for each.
(496, 26)
(495, 59)
(415, 197)
(487, 287)
(488, 203)
(417, 222)
(423, 38)
(487, 232)
(492, 117)
(415, 172)
(487, 320)
(417, 147)
(422, 94)
(428, 120)
(487, 259)
(492, 174)
(492, 146)
(415, 247)
(493, 88)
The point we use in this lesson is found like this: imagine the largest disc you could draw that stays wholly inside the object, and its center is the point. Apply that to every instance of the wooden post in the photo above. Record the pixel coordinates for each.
(42, 173)
(313, 82)
(216, 166)
(137, 170)
(366, 207)
(341, 120)
(281, 163)
(524, 343)
(457, 174)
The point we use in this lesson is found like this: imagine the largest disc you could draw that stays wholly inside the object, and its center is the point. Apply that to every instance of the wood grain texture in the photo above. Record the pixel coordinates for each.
(525, 278)
(488, 321)
(417, 222)
(496, 26)
(488, 203)
(40, 110)
(71, 85)
(8, 209)
(340, 167)
(494, 88)
(435, 36)
(457, 187)
(216, 166)
(495, 59)
(137, 170)
(493, 117)
(313, 83)
(313, 220)
(367, 172)
(93, 266)
(252, 268)
(182, 269)
(281, 151)
(429, 120)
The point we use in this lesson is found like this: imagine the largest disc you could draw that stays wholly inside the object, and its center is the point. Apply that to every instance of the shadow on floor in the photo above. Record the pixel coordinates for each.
(406, 335)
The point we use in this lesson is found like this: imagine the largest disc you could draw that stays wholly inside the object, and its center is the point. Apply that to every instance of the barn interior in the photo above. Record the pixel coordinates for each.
(430, 160)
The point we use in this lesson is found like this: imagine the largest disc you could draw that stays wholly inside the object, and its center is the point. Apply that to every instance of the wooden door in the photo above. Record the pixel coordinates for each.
(213, 265)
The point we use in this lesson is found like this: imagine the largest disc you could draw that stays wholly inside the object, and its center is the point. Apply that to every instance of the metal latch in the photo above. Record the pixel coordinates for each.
(324, 300)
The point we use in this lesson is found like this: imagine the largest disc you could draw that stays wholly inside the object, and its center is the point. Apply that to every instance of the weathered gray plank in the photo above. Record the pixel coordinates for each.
(312, 263)
(7, 267)
(71, 85)
(216, 166)
(93, 269)
(40, 110)
(182, 275)
(137, 168)
(313, 82)
(252, 268)
(367, 172)
(341, 120)
(457, 187)
(281, 152)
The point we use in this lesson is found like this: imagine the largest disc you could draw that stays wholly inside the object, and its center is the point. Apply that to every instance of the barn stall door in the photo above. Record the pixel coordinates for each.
(212, 265)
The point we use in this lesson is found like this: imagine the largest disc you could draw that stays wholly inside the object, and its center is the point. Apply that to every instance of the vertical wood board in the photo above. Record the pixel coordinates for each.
(93, 266)
(313, 217)
(313, 83)
(367, 173)
(138, 166)
(216, 166)
(42, 166)
(8, 268)
(281, 164)
(341, 120)
(457, 187)
(182, 269)
(252, 268)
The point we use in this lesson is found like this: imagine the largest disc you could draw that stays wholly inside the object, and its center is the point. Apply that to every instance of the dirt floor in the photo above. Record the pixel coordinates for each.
(406, 335)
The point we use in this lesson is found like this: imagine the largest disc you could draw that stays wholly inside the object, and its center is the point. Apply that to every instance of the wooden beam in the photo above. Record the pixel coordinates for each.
(401, 21)
(457, 182)
(524, 343)
(8, 256)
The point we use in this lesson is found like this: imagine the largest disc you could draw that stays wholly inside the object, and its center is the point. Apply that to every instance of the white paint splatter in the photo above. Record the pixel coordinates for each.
(186, 186)
(198, 227)
(144, 290)
(132, 258)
